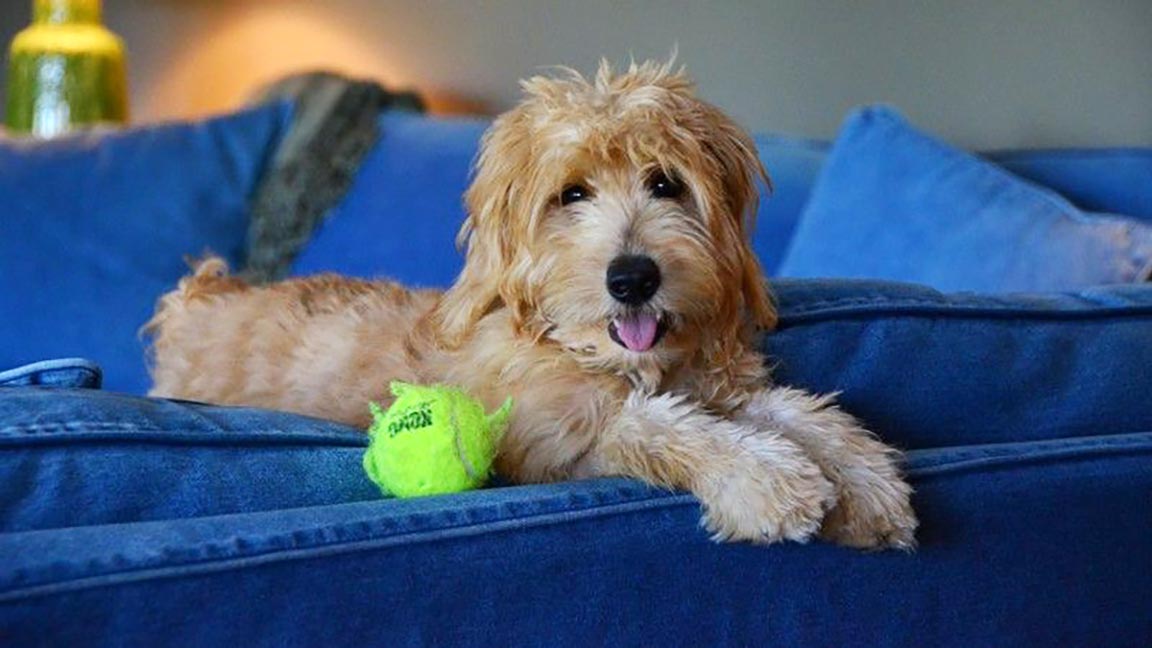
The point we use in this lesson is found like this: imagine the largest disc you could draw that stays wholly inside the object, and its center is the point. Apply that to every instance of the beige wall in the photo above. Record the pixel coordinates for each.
(984, 73)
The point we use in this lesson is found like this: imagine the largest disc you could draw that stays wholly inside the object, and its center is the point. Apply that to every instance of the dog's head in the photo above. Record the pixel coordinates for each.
(611, 217)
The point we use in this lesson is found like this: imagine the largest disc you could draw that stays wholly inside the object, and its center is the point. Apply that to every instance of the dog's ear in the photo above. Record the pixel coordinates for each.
(489, 235)
(756, 297)
(476, 291)
(734, 151)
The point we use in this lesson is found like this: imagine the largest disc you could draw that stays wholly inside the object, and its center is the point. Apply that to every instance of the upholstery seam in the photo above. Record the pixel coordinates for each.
(1052, 451)
(919, 307)
(91, 431)
(655, 501)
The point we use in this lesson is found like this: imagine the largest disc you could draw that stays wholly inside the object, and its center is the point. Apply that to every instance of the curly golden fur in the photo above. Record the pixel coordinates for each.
(564, 185)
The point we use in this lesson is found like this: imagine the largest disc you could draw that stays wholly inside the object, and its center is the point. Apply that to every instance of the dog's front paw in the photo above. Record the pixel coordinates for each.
(768, 496)
(873, 511)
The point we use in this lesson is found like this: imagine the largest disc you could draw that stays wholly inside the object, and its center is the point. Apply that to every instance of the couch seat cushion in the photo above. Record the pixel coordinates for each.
(1005, 530)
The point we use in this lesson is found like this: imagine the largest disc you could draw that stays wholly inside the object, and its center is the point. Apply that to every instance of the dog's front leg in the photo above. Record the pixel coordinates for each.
(872, 508)
(754, 485)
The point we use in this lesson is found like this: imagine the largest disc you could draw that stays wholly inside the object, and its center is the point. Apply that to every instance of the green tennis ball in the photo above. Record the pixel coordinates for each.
(432, 440)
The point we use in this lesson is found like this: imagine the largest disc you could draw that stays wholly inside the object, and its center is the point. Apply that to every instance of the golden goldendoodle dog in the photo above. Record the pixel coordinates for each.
(609, 288)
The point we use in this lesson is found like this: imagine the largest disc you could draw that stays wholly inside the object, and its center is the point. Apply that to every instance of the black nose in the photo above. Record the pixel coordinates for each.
(633, 279)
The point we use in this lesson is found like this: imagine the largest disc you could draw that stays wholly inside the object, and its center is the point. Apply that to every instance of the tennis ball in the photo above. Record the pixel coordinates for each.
(432, 440)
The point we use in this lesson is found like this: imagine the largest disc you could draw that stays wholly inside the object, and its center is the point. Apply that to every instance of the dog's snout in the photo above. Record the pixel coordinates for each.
(633, 279)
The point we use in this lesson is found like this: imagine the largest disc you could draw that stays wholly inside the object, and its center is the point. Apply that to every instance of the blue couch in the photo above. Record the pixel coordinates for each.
(134, 521)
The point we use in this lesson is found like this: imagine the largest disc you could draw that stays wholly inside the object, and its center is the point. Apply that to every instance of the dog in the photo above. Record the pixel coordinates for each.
(609, 288)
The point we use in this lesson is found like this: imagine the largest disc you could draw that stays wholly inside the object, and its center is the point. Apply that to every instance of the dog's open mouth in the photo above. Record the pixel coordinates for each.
(637, 332)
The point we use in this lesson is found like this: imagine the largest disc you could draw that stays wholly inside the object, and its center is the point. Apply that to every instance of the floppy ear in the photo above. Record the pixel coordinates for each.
(487, 235)
(740, 168)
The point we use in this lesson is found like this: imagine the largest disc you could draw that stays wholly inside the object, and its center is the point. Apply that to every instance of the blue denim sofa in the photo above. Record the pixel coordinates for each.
(124, 520)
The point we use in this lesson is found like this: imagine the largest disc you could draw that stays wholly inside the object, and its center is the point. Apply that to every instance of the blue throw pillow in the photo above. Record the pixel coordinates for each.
(893, 203)
(94, 228)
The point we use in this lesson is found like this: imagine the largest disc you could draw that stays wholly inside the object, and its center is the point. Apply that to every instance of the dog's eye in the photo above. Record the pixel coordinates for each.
(661, 185)
(574, 193)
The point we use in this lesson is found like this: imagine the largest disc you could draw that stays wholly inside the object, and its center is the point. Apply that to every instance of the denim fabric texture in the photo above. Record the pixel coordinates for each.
(927, 369)
(80, 458)
(94, 228)
(236, 527)
(893, 203)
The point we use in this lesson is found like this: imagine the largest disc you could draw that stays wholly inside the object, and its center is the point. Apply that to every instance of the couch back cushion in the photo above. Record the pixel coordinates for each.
(405, 207)
(928, 369)
(1109, 180)
(793, 165)
(95, 227)
(895, 203)
(401, 216)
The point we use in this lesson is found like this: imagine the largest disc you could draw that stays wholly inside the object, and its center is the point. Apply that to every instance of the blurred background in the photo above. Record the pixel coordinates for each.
(983, 74)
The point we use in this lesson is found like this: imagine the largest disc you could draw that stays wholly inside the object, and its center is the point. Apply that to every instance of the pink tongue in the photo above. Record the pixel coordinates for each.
(637, 333)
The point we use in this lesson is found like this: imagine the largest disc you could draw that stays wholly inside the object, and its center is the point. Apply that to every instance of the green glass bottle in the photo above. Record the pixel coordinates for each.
(65, 71)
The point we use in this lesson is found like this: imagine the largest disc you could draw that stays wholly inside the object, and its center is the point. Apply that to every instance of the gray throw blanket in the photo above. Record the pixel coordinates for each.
(335, 124)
